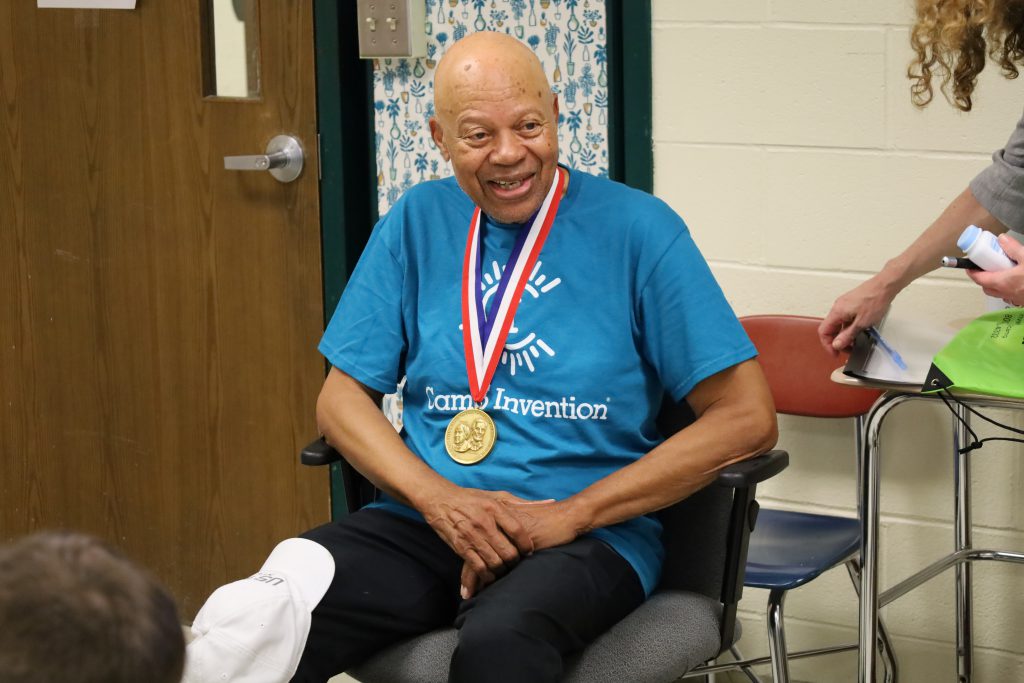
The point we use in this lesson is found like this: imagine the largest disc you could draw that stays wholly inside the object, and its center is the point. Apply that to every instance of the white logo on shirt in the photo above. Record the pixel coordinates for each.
(521, 350)
(559, 408)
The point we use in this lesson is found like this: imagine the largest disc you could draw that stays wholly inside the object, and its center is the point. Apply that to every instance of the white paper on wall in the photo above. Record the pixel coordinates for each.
(86, 4)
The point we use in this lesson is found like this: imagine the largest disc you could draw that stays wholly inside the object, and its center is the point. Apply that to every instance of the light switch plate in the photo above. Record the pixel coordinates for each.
(392, 28)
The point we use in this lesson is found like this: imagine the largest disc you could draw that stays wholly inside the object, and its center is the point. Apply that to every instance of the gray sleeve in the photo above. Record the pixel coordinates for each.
(1000, 187)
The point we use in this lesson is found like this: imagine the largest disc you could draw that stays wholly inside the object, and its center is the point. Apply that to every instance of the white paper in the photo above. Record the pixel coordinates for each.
(916, 340)
(86, 4)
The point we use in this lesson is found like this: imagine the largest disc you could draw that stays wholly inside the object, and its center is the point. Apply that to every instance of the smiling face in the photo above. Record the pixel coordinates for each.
(497, 123)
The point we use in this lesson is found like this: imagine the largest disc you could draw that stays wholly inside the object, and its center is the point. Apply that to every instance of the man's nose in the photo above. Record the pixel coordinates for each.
(508, 148)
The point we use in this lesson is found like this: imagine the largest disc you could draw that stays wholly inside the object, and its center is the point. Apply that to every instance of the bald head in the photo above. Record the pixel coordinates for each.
(487, 61)
(496, 120)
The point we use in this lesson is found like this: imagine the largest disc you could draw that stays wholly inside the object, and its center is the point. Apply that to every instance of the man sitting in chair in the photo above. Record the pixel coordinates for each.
(531, 533)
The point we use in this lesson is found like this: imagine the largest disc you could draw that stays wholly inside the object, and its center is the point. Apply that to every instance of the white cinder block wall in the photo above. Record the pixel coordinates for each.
(785, 136)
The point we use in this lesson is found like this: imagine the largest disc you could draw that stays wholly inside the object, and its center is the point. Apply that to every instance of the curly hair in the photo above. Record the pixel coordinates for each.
(951, 39)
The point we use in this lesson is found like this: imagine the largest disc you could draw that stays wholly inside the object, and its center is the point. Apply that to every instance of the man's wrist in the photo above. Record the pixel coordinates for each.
(581, 513)
(423, 495)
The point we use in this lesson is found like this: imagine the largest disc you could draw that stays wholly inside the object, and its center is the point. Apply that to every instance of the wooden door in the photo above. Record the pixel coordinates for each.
(158, 314)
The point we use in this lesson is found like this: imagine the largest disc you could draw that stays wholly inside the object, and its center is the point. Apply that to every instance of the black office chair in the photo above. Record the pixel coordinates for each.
(691, 617)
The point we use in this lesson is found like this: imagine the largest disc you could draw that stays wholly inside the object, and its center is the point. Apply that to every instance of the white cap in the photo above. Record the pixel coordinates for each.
(968, 237)
(254, 630)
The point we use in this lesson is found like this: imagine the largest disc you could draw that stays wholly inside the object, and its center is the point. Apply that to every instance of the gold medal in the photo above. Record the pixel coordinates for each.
(470, 436)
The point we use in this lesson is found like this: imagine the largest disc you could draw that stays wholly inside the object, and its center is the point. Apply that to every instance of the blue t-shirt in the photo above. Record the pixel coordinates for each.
(619, 308)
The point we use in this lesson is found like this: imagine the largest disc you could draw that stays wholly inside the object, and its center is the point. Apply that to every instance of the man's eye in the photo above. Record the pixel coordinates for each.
(531, 126)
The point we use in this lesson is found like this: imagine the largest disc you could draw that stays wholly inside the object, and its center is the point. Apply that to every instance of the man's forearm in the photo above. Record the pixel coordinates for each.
(351, 420)
(736, 426)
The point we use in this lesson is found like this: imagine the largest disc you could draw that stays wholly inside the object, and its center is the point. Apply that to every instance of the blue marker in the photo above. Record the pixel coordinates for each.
(896, 358)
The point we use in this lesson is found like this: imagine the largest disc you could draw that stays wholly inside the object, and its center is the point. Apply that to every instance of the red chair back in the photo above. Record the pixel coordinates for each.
(799, 369)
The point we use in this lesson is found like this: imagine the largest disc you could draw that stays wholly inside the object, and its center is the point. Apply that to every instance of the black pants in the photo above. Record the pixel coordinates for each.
(395, 578)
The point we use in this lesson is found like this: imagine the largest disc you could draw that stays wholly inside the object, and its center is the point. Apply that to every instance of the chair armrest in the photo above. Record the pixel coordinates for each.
(319, 453)
(356, 490)
(743, 478)
(753, 470)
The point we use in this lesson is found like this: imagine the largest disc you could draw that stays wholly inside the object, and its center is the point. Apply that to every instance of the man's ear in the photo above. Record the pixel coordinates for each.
(554, 106)
(437, 133)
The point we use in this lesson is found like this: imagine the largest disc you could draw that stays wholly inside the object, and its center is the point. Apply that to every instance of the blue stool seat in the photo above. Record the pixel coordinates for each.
(788, 549)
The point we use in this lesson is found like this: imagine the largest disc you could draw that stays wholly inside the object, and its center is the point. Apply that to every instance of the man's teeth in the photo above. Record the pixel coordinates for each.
(508, 185)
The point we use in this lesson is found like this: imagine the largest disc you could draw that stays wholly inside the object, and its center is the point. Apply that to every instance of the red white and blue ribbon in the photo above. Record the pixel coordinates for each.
(484, 337)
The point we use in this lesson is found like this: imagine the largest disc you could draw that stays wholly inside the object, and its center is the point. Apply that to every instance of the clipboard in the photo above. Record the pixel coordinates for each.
(915, 340)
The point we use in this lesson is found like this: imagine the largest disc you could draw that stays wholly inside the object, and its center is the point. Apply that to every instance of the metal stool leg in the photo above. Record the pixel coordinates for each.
(962, 531)
(777, 637)
(738, 656)
(884, 642)
(888, 654)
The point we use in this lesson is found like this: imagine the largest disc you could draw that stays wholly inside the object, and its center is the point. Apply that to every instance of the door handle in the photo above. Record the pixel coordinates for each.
(283, 159)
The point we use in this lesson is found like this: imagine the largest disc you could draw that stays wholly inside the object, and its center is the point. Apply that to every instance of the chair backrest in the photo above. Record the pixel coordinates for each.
(696, 536)
(696, 527)
(798, 368)
(705, 535)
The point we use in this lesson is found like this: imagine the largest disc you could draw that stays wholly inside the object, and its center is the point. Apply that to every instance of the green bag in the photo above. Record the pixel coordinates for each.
(986, 357)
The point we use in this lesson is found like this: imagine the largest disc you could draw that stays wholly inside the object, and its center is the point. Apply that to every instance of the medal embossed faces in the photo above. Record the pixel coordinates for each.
(471, 434)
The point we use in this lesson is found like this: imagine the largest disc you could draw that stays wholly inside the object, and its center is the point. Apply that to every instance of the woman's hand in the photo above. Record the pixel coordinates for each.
(858, 309)
(1008, 284)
